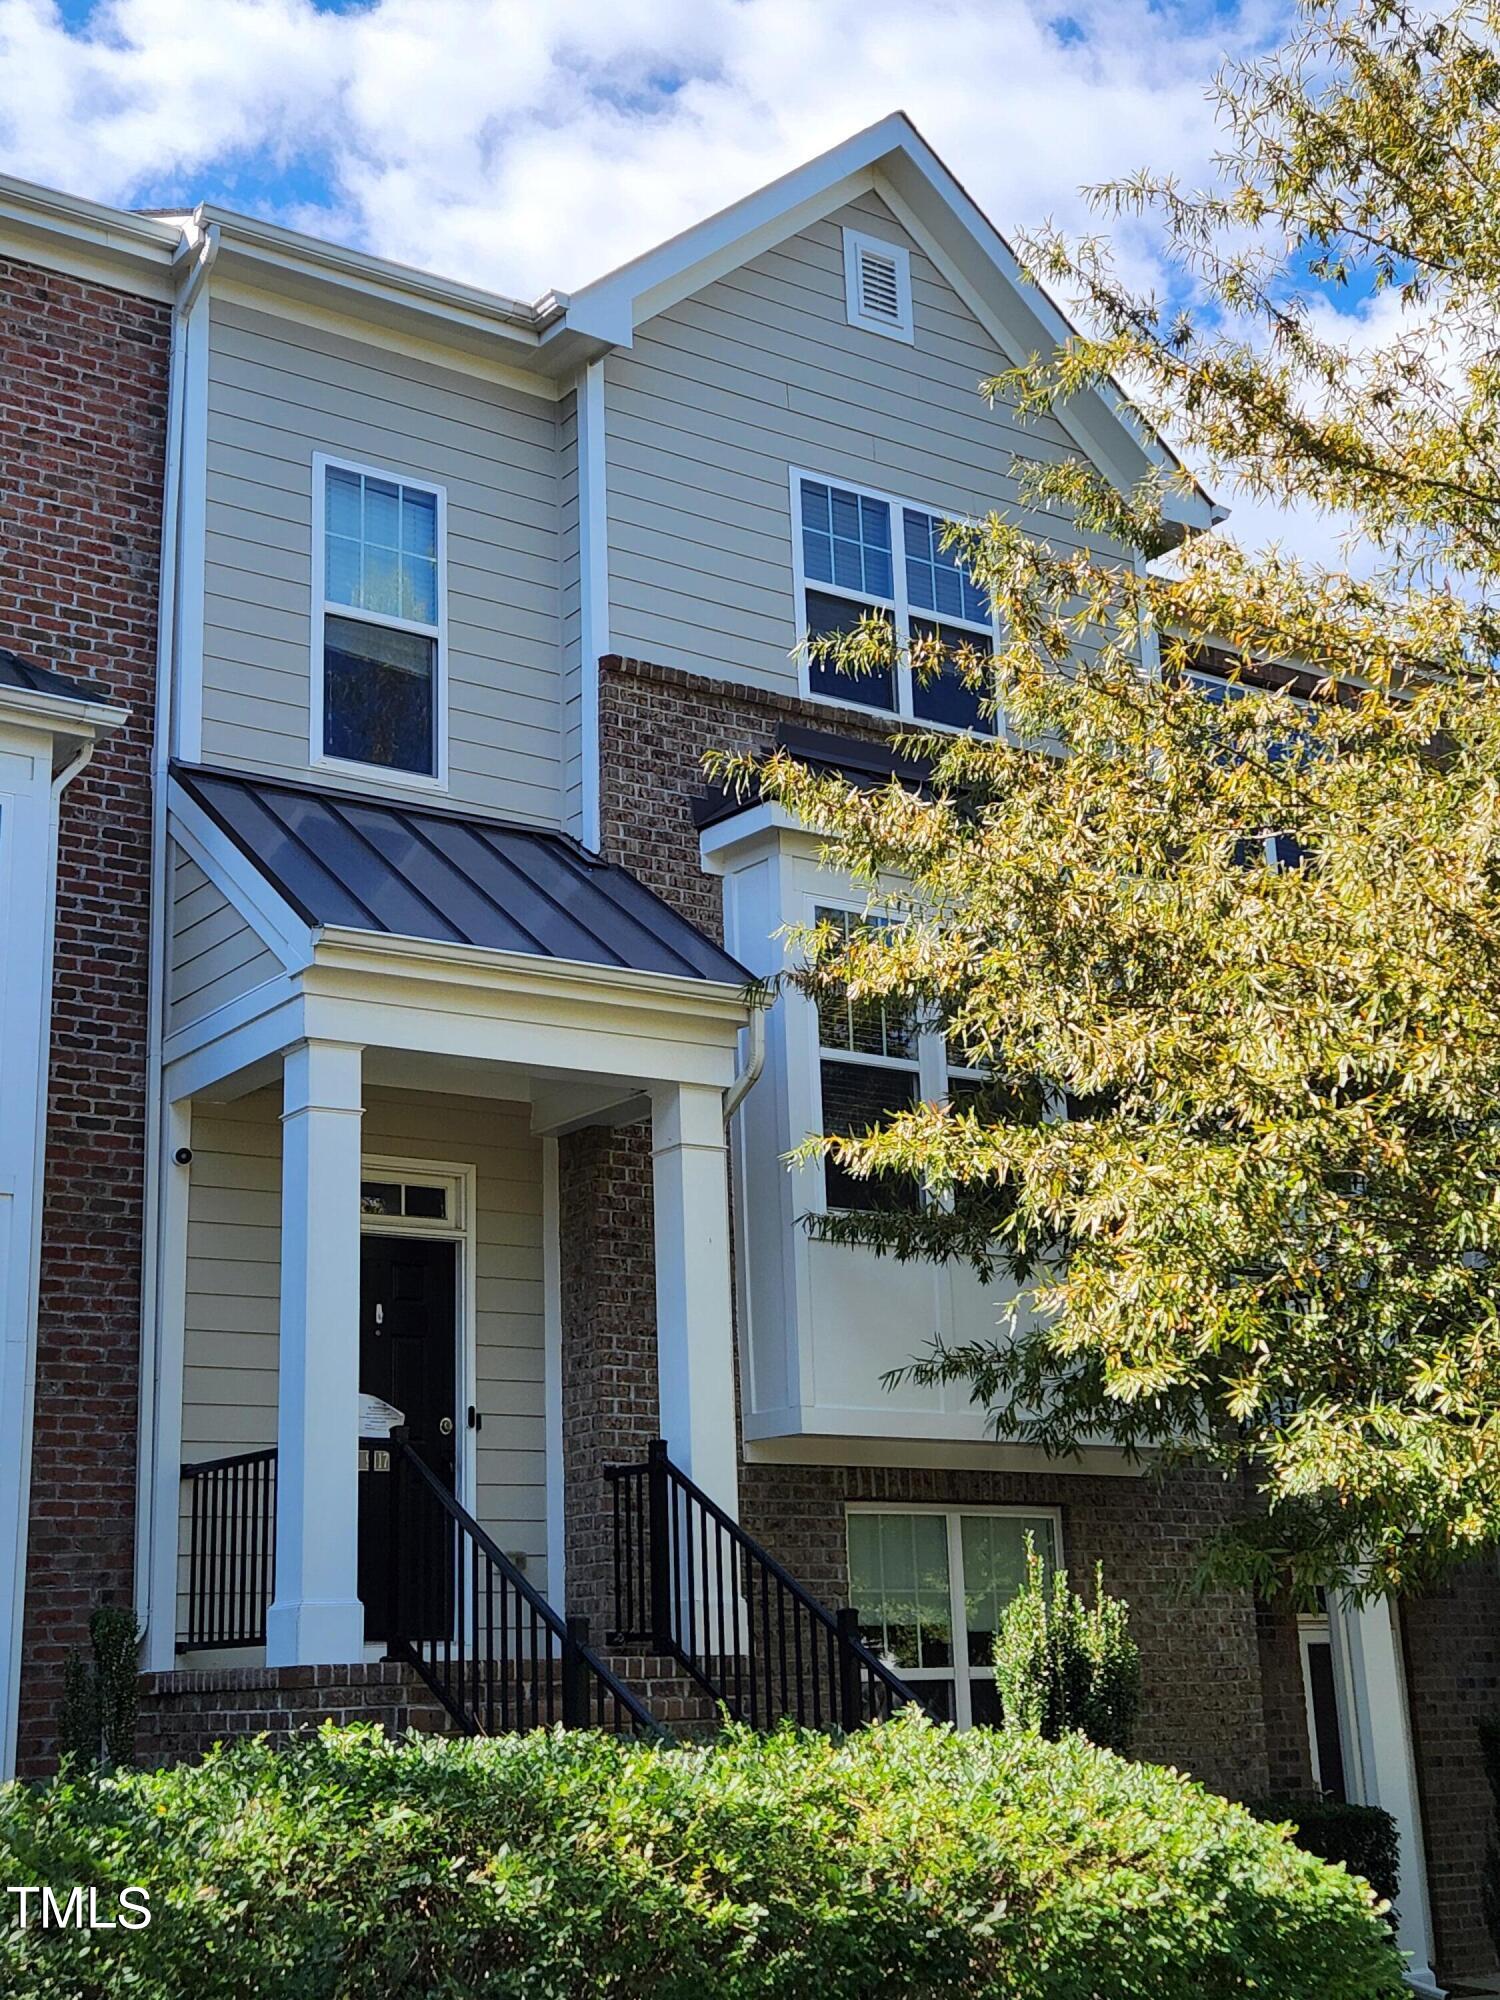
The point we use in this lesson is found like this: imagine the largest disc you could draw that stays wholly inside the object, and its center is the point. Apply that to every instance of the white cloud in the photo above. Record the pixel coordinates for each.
(522, 145)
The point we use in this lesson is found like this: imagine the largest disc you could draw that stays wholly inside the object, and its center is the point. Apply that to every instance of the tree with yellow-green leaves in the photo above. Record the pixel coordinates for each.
(1231, 966)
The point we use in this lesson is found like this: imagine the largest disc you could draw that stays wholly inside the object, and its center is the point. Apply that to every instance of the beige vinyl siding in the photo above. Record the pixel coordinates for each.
(278, 392)
(760, 372)
(215, 955)
(234, 1237)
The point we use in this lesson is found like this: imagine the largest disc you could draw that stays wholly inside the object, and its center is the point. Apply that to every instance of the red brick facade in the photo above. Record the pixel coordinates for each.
(1452, 1647)
(1223, 1681)
(83, 394)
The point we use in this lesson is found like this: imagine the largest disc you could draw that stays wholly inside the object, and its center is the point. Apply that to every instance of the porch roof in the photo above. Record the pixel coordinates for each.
(420, 871)
(16, 671)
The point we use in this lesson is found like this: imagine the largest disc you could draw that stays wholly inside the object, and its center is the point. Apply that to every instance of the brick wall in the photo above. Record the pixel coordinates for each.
(83, 374)
(183, 1715)
(1203, 1694)
(610, 1406)
(1451, 1641)
(1284, 1700)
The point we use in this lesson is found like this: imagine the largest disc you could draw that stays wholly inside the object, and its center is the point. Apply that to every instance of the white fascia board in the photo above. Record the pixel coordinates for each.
(484, 969)
(60, 714)
(87, 239)
(731, 843)
(281, 928)
(277, 259)
(1032, 320)
(614, 305)
(894, 158)
(529, 1034)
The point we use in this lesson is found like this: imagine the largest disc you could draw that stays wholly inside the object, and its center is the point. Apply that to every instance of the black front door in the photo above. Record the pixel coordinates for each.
(408, 1352)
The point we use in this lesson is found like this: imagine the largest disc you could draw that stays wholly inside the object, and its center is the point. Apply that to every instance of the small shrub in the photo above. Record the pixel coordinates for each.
(905, 1862)
(1061, 1664)
(97, 1718)
(1364, 1838)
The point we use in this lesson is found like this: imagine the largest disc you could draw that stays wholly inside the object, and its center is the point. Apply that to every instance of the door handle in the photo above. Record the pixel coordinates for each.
(445, 1427)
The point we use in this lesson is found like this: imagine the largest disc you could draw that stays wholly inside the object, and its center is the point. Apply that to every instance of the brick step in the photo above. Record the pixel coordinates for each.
(184, 1713)
(677, 1702)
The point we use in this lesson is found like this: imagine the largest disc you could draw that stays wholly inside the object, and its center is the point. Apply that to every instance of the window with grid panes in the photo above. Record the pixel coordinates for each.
(381, 621)
(850, 571)
(867, 1069)
(875, 1059)
(929, 1586)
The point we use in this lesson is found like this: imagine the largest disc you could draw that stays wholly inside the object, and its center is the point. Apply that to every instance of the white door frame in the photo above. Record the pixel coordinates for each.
(459, 1229)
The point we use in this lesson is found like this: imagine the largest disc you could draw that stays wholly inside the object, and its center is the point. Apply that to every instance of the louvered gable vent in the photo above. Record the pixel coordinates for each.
(877, 279)
(879, 294)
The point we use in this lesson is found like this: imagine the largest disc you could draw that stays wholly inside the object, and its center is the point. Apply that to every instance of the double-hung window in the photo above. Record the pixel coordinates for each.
(863, 553)
(379, 622)
(868, 1069)
(930, 1585)
(875, 1059)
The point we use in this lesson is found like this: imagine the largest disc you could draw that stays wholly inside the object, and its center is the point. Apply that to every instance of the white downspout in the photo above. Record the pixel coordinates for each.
(197, 274)
(755, 1062)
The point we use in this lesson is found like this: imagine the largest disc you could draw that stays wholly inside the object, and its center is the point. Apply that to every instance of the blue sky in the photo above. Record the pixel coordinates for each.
(531, 144)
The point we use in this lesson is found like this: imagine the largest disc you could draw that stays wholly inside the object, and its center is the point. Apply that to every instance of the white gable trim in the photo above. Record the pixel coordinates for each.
(269, 915)
(893, 160)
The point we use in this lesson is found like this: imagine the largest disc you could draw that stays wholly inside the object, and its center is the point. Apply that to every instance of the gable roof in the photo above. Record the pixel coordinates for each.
(892, 158)
(559, 333)
(420, 871)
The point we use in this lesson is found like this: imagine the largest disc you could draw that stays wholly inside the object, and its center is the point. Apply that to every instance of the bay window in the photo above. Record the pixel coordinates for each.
(876, 1058)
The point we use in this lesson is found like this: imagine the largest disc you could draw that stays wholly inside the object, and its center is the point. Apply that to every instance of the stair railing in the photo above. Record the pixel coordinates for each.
(691, 1585)
(484, 1639)
(231, 1533)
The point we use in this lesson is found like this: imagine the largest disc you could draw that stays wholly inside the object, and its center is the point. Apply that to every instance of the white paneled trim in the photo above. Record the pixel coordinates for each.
(877, 286)
(316, 1618)
(552, 1373)
(593, 564)
(192, 536)
(1379, 1758)
(437, 780)
(897, 603)
(459, 1227)
(160, 1654)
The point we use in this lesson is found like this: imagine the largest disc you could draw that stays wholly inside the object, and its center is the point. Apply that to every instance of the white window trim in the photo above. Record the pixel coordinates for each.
(460, 1227)
(898, 603)
(963, 1707)
(857, 241)
(930, 1065)
(322, 464)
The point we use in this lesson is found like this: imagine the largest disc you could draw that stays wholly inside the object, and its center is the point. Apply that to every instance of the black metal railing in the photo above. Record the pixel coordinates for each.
(691, 1585)
(231, 1549)
(488, 1644)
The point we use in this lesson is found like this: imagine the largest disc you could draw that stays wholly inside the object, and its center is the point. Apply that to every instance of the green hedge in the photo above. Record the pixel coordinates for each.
(1363, 1838)
(904, 1862)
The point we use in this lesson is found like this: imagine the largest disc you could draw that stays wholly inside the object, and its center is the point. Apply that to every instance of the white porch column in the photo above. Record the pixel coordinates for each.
(171, 1336)
(694, 1309)
(316, 1618)
(1379, 1767)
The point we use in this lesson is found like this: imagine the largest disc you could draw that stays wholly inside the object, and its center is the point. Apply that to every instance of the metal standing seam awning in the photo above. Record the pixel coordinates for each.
(26, 677)
(420, 871)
